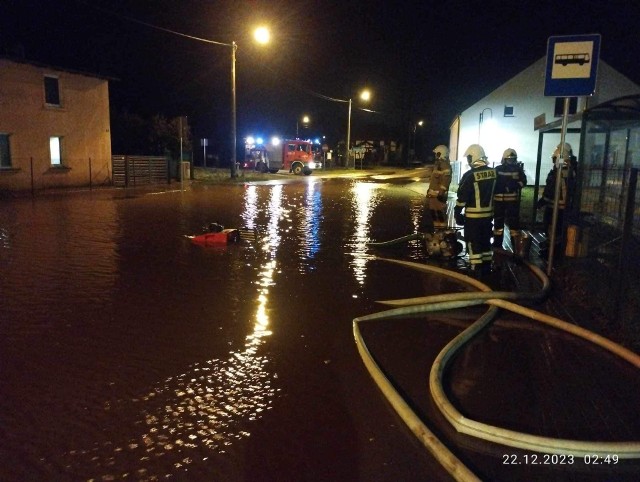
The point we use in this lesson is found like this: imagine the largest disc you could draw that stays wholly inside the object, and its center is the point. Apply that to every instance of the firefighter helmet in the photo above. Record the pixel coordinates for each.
(509, 156)
(566, 153)
(442, 150)
(475, 155)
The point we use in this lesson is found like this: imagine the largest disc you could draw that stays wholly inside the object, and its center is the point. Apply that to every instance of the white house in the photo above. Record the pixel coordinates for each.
(515, 113)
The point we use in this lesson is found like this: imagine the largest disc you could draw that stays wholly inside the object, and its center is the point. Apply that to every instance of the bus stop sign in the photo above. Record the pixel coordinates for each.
(572, 65)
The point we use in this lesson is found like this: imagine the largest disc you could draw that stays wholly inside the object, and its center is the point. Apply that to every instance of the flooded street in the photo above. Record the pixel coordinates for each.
(129, 352)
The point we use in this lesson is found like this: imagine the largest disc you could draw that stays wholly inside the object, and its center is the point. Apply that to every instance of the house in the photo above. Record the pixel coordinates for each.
(54, 127)
(516, 113)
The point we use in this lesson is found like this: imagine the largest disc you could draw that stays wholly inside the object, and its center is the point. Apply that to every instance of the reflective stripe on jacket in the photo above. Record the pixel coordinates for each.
(475, 192)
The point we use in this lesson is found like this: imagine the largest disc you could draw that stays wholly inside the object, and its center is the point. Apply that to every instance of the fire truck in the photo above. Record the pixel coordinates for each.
(293, 155)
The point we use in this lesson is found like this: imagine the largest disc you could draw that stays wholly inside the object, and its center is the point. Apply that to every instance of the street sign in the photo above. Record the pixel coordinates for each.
(572, 65)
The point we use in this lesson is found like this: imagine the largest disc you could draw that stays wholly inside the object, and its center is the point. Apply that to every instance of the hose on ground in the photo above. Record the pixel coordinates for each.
(414, 306)
(391, 242)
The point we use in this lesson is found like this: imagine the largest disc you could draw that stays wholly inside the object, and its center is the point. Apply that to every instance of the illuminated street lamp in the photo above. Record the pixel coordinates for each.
(305, 123)
(261, 35)
(365, 95)
(412, 146)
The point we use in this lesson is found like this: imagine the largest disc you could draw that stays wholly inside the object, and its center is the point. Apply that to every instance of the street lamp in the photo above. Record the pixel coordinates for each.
(261, 35)
(412, 145)
(365, 95)
(305, 123)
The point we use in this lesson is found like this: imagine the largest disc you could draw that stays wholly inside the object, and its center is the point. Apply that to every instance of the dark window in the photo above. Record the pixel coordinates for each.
(509, 111)
(5, 153)
(559, 109)
(51, 91)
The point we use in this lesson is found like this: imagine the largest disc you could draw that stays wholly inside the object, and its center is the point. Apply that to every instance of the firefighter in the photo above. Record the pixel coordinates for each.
(568, 166)
(475, 196)
(510, 180)
(438, 191)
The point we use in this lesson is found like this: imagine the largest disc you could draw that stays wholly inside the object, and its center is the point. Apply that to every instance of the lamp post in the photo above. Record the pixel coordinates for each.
(412, 148)
(234, 171)
(364, 95)
(261, 35)
(305, 123)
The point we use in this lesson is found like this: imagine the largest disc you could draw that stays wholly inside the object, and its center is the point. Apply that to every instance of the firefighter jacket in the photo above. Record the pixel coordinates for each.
(440, 178)
(567, 187)
(510, 180)
(475, 192)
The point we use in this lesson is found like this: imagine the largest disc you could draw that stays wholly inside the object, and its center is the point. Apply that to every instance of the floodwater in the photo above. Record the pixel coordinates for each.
(128, 352)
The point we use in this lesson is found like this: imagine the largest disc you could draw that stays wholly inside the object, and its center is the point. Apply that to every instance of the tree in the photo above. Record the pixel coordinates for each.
(166, 136)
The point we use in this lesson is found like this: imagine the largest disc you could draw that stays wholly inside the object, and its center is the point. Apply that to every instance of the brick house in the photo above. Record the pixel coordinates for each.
(54, 127)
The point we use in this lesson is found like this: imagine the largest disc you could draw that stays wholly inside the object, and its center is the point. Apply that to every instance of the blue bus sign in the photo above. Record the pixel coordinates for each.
(572, 65)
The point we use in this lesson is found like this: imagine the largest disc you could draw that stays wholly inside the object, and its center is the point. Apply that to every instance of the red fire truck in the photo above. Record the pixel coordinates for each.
(293, 155)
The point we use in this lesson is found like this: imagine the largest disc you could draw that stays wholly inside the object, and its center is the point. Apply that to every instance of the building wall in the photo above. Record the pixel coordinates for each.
(81, 121)
(525, 93)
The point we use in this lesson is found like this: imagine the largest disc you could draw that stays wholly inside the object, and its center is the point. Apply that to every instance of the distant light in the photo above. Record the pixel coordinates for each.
(317, 141)
(262, 35)
(365, 95)
(420, 123)
(259, 140)
(275, 141)
(305, 119)
(251, 140)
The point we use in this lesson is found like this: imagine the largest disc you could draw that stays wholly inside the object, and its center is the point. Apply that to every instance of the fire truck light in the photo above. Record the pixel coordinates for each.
(259, 141)
(250, 140)
(275, 141)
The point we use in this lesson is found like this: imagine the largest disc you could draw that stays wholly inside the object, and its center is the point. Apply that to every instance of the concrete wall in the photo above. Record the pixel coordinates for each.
(81, 120)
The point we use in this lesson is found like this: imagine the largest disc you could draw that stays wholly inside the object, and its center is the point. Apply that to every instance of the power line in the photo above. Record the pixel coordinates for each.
(156, 27)
(209, 41)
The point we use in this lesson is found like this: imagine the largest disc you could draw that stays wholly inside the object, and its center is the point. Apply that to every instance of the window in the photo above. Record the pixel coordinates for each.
(291, 147)
(559, 108)
(509, 111)
(51, 90)
(5, 152)
(54, 149)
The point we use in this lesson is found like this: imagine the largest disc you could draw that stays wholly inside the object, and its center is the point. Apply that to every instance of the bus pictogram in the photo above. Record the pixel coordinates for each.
(566, 59)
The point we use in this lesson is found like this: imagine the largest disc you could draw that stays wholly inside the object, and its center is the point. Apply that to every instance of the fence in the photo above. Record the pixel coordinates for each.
(140, 170)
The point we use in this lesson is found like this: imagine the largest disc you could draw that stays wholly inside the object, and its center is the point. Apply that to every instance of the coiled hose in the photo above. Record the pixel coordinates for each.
(496, 299)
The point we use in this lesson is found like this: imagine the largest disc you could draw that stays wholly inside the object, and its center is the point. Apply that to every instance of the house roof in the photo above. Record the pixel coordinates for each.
(18, 60)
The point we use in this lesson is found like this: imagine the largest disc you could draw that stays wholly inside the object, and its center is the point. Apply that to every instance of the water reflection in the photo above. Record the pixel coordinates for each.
(163, 356)
(309, 231)
(212, 403)
(365, 198)
(417, 211)
(5, 241)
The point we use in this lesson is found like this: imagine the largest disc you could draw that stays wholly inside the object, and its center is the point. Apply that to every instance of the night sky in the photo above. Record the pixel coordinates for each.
(421, 60)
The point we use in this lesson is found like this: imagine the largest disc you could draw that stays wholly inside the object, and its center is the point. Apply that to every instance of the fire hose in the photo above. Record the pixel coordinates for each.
(496, 300)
